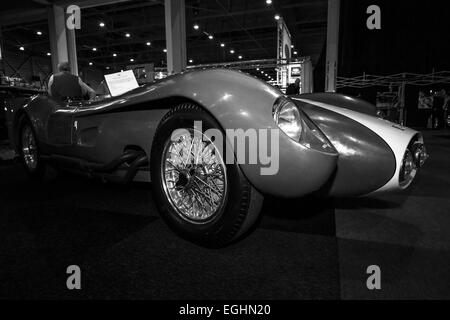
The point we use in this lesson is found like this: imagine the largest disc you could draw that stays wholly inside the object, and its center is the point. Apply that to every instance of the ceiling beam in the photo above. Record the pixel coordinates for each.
(301, 25)
(81, 3)
(14, 17)
(254, 11)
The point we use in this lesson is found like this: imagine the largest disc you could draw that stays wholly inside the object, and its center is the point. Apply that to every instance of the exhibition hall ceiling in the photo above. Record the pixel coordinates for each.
(134, 31)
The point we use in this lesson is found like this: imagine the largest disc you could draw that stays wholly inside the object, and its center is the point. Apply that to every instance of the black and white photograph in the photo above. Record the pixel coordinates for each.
(224, 156)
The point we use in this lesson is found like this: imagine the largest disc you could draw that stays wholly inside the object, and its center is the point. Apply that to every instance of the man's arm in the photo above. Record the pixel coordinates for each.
(85, 89)
(49, 85)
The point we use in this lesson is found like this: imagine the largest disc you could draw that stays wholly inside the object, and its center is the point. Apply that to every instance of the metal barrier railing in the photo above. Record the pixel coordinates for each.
(247, 64)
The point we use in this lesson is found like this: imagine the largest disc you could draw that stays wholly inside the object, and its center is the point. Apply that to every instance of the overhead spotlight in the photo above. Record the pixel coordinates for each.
(101, 24)
(231, 51)
(165, 50)
(114, 54)
(262, 72)
(148, 43)
(292, 46)
(49, 54)
(90, 63)
(240, 57)
(269, 1)
(22, 49)
(39, 33)
(295, 52)
(127, 35)
(222, 45)
(131, 60)
(210, 37)
(196, 27)
(191, 61)
(277, 17)
(257, 69)
(107, 68)
(94, 49)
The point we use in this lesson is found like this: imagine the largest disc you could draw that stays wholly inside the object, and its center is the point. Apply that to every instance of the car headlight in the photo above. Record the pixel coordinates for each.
(286, 115)
(408, 169)
(420, 154)
(297, 125)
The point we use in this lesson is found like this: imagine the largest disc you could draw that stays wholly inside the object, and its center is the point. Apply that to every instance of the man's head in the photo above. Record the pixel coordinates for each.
(64, 67)
(297, 81)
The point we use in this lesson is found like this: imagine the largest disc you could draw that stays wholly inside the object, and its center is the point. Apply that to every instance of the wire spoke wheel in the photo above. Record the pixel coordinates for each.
(194, 176)
(198, 196)
(29, 148)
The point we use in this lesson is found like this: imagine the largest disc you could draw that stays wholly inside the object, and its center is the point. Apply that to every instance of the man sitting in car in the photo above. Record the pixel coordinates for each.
(63, 85)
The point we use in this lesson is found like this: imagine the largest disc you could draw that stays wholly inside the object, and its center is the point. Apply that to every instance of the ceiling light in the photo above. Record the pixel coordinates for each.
(240, 57)
(190, 60)
(277, 17)
(107, 68)
(49, 54)
(165, 50)
(257, 69)
(21, 48)
(222, 45)
(101, 24)
(90, 63)
(114, 54)
(131, 60)
(269, 1)
(295, 52)
(94, 49)
(39, 33)
(196, 26)
(148, 43)
(210, 37)
(292, 46)
(127, 35)
(231, 51)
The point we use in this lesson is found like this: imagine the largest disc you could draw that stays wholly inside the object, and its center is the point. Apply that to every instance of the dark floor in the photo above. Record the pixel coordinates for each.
(308, 249)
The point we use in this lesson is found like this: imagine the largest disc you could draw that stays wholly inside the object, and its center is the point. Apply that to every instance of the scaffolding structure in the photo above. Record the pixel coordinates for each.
(405, 78)
(399, 80)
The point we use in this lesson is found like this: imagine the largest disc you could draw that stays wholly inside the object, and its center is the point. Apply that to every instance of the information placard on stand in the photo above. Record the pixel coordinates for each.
(121, 82)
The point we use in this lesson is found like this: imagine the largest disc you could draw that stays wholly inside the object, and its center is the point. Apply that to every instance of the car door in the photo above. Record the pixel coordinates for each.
(60, 124)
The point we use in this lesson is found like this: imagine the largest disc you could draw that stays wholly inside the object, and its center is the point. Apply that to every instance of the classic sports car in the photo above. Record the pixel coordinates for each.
(329, 144)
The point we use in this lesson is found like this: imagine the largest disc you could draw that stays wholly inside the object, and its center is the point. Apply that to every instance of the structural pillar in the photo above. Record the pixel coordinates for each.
(2, 65)
(72, 51)
(175, 35)
(332, 45)
(62, 40)
(307, 77)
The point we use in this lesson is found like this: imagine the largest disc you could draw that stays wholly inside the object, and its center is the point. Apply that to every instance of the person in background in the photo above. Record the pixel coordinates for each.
(293, 88)
(445, 110)
(438, 108)
(64, 85)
